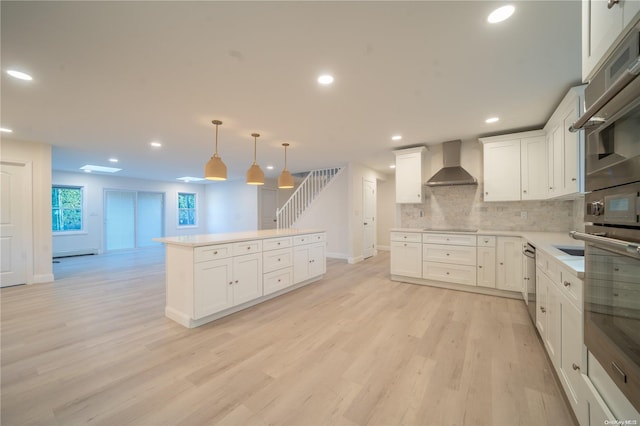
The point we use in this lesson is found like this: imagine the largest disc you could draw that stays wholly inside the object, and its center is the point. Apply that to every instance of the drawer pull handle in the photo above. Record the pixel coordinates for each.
(480, 266)
(618, 370)
(542, 309)
(215, 252)
(447, 254)
(230, 282)
(575, 366)
(236, 281)
(278, 260)
(278, 243)
(611, 3)
(279, 280)
(249, 248)
(447, 273)
(566, 283)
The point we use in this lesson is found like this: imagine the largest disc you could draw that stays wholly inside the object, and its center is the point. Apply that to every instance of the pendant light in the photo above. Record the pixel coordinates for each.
(255, 175)
(215, 168)
(285, 180)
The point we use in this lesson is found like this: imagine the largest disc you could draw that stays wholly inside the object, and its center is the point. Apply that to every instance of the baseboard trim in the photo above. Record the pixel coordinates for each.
(81, 252)
(460, 287)
(41, 278)
(341, 256)
(384, 248)
(356, 259)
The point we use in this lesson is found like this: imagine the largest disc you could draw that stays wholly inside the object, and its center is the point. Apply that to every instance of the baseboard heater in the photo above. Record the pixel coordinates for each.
(72, 253)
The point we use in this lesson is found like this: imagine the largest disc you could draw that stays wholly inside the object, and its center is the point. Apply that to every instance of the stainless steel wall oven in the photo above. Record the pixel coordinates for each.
(612, 240)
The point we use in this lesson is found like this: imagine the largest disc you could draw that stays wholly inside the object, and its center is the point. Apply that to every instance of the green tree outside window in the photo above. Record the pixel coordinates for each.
(66, 208)
(186, 209)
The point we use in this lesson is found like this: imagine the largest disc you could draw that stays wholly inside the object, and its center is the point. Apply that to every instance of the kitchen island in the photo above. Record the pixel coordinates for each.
(214, 275)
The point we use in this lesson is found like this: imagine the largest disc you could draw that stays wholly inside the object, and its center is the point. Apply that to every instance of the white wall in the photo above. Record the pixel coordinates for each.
(92, 237)
(329, 212)
(387, 208)
(37, 244)
(232, 206)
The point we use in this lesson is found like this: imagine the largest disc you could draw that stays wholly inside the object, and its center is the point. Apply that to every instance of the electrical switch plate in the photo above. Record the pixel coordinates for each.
(523, 215)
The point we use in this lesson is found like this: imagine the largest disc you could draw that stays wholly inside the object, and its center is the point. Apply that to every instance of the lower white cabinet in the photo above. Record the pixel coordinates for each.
(509, 264)
(308, 261)
(486, 271)
(224, 283)
(449, 258)
(277, 280)
(406, 259)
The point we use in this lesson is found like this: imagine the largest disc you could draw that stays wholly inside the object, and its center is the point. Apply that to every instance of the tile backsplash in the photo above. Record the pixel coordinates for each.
(461, 207)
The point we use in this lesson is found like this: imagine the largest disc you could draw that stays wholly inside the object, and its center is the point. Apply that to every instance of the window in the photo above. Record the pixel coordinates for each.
(186, 209)
(66, 208)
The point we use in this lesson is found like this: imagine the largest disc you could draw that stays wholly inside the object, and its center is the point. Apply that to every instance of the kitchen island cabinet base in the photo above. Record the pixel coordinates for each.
(459, 287)
(186, 321)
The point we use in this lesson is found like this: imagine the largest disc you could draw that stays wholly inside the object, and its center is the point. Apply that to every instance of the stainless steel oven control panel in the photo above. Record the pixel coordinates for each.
(614, 206)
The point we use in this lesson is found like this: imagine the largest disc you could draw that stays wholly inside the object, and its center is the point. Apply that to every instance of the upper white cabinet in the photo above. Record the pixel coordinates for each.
(565, 150)
(515, 166)
(410, 175)
(604, 22)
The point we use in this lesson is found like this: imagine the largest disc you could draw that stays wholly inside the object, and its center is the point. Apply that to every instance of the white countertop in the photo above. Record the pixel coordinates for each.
(232, 237)
(543, 241)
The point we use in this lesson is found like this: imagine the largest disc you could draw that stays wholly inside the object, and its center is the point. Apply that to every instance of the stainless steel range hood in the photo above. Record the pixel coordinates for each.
(451, 173)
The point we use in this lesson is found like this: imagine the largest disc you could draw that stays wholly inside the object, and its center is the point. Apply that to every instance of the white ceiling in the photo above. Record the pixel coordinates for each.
(110, 77)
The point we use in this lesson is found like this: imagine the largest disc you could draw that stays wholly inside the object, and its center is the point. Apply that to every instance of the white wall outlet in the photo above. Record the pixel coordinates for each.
(523, 215)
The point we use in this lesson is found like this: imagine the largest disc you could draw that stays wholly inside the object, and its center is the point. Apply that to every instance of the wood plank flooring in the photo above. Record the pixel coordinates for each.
(352, 349)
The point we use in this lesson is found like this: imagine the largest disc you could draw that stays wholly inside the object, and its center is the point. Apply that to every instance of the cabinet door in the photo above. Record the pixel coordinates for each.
(542, 285)
(600, 27)
(486, 267)
(557, 153)
(502, 171)
(301, 257)
(571, 355)
(553, 338)
(212, 287)
(406, 259)
(534, 168)
(247, 278)
(509, 267)
(571, 154)
(409, 177)
(317, 260)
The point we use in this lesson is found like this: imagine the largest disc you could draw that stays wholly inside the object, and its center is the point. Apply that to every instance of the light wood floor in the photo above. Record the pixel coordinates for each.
(353, 349)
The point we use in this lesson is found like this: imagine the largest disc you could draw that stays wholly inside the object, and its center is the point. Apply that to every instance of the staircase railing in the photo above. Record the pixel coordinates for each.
(304, 195)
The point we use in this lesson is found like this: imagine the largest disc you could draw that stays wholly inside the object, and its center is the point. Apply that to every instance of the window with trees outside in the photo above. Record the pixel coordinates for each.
(186, 209)
(66, 208)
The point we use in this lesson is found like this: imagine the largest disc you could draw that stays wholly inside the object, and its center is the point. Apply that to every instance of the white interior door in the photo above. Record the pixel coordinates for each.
(150, 218)
(13, 267)
(268, 206)
(369, 217)
(120, 217)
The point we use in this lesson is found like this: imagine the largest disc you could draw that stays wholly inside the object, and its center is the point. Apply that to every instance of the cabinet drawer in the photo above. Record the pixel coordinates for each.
(463, 255)
(453, 239)
(276, 243)
(571, 286)
(247, 247)
(459, 274)
(486, 241)
(277, 259)
(277, 280)
(203, 254)
(308, 238)
(408, 237)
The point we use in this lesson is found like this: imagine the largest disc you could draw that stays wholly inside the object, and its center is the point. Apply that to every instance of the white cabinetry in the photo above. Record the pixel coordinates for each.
(206, 282)
(559, 322)
(509, 264)
(566, 149)
(515, 166)
(486, 276)
(601, 27)
(308, 257)
(449, 258)
(406, 254)
(410, 175)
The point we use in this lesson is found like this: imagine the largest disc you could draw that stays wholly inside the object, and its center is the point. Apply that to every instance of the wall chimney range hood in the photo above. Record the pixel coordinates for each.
(451, 173)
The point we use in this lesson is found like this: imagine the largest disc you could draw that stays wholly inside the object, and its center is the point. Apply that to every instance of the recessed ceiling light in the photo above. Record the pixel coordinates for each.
(269, 167)
(501, 14)
(5, 130)
(20, 75)
(325, 79)
(491, 120)
(392, 166)
(190, 179)
(396, 137)
(92, 168)
(113, 160)
(87, 170)
(155, 144)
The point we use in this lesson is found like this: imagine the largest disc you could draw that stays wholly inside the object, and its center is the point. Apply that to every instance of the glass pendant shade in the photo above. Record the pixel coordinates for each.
(215, 169)
(255, 175)
(285, 180)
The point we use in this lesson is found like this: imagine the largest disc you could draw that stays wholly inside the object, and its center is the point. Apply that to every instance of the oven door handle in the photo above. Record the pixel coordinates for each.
(620, 245)
(587, 119)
